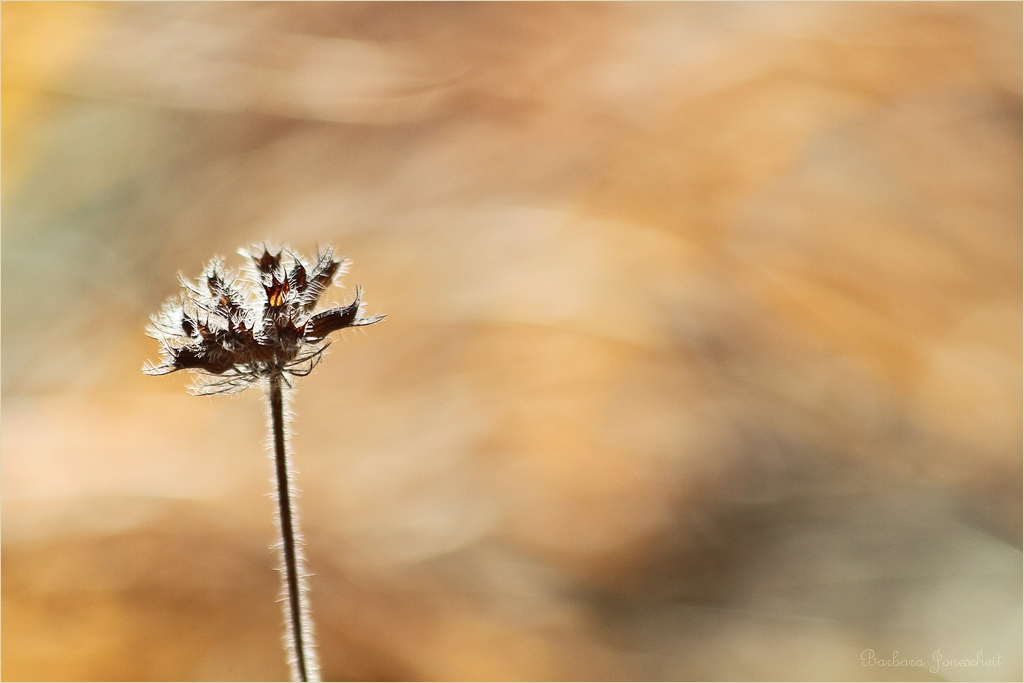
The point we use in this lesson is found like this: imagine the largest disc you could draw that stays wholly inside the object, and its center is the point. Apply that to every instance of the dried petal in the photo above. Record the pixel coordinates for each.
(267, 263)
(322, 324)
(190, 359)
(297, 278)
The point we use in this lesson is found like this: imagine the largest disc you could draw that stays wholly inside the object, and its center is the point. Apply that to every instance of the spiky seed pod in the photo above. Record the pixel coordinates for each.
(233, 331)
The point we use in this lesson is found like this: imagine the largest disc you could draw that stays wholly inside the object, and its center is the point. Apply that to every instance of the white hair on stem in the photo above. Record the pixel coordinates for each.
(299, 636)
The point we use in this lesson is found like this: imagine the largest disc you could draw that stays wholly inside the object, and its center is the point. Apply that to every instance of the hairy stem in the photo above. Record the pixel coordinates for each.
(300, 632)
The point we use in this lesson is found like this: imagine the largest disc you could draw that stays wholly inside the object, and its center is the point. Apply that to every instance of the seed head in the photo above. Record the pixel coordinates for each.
(234, 330)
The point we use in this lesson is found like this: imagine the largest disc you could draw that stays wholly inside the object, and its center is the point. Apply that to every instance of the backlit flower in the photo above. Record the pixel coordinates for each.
(234, 330)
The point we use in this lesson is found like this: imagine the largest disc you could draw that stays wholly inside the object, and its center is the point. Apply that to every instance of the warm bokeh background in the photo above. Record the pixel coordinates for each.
(702, 358)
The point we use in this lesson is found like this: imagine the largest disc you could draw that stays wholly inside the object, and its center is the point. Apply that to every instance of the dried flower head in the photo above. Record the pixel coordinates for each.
(235, 330)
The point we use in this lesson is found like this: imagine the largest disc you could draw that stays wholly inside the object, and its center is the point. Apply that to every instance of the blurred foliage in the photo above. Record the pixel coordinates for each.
(702, 358)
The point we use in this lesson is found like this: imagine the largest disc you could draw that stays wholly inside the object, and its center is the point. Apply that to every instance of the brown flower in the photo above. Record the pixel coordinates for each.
(233, 331)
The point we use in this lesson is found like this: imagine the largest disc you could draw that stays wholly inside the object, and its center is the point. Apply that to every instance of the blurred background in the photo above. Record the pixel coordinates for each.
(702, 358)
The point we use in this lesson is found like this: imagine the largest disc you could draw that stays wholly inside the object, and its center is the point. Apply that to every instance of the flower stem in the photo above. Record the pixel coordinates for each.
(300, 633)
